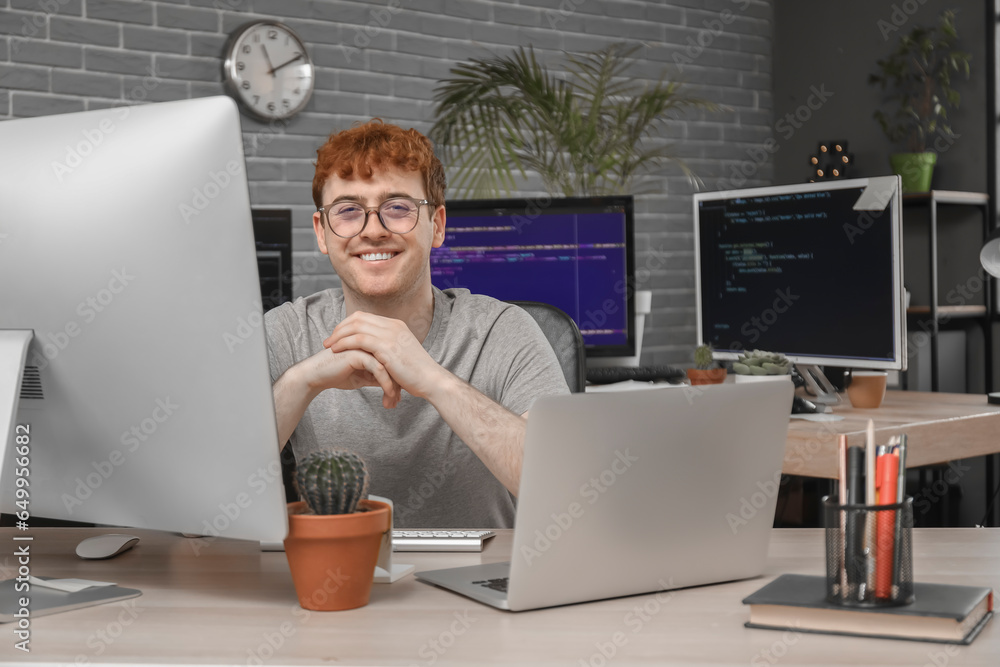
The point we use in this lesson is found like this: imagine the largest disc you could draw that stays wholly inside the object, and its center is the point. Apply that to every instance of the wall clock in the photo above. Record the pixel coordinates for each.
(268, 71)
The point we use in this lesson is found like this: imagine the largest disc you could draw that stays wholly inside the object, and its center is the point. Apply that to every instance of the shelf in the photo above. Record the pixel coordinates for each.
(946, 197)
(932, 201)
(949, 311)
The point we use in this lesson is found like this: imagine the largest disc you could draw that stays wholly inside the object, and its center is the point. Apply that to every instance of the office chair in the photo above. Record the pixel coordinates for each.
(564, 337)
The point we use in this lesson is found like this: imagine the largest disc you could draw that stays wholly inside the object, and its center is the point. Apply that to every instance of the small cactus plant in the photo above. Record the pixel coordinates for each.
(758, 362)
(332, 481)
(703, 358)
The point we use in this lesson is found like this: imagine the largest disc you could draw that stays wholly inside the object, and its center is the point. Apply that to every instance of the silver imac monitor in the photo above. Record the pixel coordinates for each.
(811, 270)
(131, 309)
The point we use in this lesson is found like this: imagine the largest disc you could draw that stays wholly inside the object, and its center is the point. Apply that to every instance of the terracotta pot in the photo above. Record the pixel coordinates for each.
(333, 557)
(711, 376)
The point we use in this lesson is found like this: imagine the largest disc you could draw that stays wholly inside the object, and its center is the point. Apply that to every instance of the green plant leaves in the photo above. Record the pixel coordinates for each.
(918, 78)
(589, 131)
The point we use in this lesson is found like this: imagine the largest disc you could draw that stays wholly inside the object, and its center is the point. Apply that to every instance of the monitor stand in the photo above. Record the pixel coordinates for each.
(13, 352)
(818, 385)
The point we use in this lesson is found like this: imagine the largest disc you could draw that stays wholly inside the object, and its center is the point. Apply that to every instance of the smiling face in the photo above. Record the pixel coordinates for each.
(377, 268)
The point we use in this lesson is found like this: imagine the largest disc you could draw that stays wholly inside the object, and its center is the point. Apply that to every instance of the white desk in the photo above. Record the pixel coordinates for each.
(230, 603)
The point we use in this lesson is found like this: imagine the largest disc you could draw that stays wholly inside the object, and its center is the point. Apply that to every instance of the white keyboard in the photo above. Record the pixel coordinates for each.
(423, 540)
(439, 540)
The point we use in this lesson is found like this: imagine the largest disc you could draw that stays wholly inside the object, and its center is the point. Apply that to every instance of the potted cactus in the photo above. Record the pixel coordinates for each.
(334, 534)
(760, 365)
(706, 371)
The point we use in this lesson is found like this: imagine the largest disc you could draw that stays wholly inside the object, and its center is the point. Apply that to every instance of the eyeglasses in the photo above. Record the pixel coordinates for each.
(347, 219)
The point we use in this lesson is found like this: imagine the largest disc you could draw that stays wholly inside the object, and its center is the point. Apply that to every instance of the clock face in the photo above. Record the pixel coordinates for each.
(268, 70)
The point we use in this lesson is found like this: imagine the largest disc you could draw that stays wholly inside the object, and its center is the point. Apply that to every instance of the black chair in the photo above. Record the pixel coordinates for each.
(565, 339)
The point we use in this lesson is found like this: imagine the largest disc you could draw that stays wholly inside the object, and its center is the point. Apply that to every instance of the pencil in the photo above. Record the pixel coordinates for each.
(869, 516)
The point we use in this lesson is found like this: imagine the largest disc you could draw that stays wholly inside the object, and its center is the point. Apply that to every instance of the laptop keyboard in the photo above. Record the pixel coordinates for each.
(496, 584)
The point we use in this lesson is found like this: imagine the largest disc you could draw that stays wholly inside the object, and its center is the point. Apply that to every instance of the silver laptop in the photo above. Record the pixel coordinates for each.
(636, 492)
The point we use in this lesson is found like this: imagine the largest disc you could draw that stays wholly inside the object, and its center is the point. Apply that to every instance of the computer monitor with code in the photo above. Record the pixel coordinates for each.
(812, 270)
(574, 253)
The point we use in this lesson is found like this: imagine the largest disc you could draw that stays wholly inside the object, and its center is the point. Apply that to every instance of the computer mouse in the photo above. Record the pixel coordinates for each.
(105, 546)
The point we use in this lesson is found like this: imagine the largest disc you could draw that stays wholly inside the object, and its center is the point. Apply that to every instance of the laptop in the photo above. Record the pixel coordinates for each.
(637, 492)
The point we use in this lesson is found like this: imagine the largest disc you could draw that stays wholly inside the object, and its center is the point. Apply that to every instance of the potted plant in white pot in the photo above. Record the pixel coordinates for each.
(760, 365)
(334, 534)
(917, 78)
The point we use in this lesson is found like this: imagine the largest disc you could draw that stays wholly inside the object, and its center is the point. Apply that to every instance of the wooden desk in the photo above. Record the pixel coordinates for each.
(939, 427)
(232, 604)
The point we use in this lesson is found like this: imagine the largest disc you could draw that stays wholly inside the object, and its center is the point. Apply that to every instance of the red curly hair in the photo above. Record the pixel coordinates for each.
(368, 147)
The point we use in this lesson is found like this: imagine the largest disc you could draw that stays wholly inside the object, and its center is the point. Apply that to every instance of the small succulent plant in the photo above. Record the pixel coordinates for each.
(332, 481)
(762, 363)
(703, 360)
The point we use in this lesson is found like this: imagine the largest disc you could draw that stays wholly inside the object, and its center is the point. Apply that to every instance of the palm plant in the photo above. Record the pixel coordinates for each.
(585, 134)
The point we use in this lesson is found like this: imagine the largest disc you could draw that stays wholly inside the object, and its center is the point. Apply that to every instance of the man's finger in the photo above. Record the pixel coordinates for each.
(357, 325)
(390, 388)
(364, 342)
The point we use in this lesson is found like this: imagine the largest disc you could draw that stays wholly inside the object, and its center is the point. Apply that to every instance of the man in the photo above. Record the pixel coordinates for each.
(430, 387)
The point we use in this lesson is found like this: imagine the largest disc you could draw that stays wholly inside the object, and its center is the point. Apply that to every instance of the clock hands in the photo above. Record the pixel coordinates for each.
(268, 59)
(284, 64)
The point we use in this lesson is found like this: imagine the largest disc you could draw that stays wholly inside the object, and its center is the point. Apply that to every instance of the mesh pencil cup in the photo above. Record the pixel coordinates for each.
(869, 553)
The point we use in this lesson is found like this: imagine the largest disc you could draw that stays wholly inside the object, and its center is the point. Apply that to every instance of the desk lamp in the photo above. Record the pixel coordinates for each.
(989, 257)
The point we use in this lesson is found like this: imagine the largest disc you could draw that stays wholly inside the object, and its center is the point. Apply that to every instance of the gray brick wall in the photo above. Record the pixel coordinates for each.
(384, 57)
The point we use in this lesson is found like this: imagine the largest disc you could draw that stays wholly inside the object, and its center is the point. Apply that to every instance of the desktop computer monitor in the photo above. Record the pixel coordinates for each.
(573, 253)
(127, 259)
(813, 271)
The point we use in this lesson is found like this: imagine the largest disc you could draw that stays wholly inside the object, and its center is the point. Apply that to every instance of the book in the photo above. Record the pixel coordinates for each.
(939, 613)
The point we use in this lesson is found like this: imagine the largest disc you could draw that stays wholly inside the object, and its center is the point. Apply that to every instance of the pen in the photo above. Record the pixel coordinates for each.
(900, 497)
(870, 464)
(885, 529)
(854, 560)
(869, 574)
(842, 514)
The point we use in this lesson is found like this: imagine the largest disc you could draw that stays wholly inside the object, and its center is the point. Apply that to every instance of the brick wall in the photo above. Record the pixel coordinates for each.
(61, 56)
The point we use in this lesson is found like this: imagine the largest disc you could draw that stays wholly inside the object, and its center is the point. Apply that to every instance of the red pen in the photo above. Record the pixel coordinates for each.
(885, 528)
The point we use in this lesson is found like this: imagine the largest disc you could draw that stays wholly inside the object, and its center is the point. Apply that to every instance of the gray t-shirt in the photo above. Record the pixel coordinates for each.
(432, 477)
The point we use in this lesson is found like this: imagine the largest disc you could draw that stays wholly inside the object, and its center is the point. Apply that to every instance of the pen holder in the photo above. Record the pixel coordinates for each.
(869, 553)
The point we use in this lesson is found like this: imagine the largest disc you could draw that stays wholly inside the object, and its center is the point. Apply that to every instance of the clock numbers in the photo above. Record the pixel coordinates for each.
(241, 65)
(245, 85)
(273, 34)
(246, 48)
